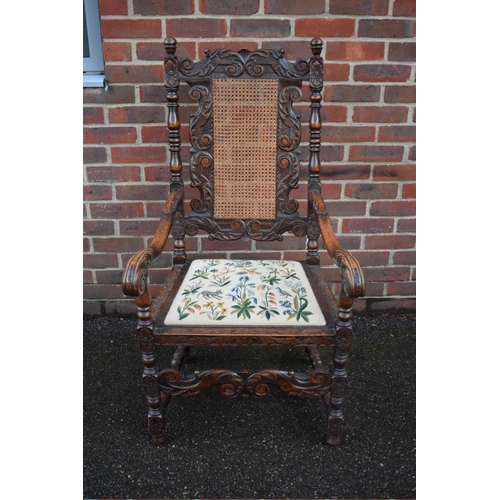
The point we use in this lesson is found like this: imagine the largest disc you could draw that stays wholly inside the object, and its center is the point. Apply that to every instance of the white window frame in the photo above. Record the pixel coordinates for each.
(93, 66)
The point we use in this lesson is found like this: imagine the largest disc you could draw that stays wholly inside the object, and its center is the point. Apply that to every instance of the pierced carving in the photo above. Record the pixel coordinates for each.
(289, 124)
(233, 64)
(202, 178)
(201, 136)
(289, 166)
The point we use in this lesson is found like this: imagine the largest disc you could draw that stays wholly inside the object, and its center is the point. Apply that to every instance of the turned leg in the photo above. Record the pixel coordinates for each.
(145, 338)
(335, 398)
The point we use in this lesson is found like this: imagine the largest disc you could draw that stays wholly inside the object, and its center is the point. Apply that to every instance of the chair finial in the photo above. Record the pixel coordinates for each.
(170, 45)
(316, 46)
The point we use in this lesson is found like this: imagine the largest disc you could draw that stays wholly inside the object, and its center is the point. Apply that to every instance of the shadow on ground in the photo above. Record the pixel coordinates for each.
(247, 448)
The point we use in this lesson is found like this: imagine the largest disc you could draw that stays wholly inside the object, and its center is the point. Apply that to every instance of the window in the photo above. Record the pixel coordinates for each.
(93, 61)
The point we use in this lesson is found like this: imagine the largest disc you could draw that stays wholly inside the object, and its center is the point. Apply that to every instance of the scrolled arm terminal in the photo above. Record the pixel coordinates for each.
(135, 276)
(353, 279)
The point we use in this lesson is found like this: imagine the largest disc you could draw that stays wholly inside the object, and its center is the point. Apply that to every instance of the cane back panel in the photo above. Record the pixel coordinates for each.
(245, 140)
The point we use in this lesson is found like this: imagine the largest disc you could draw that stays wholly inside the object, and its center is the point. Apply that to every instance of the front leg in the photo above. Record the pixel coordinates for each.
(334, 400)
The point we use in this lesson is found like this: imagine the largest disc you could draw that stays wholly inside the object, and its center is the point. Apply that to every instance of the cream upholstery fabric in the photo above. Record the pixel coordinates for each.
(242, 292)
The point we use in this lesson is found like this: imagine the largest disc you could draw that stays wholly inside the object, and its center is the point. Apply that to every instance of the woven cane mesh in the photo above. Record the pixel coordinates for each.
(245, 125)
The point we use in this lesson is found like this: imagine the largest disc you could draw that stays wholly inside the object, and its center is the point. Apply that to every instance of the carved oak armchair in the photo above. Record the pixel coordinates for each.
(245, 162)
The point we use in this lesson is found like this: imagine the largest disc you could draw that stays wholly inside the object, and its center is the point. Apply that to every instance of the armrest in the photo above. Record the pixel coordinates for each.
(135, 276)
(353, 279)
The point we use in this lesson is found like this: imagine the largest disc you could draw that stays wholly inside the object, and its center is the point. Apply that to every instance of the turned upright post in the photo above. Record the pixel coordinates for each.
(171, 77)
(316, 86)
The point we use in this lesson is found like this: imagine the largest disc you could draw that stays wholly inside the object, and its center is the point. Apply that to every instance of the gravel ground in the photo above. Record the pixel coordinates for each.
(246, 448)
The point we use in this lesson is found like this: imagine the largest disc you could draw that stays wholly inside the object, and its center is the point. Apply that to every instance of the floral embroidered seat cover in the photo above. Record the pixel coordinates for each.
(232, 292)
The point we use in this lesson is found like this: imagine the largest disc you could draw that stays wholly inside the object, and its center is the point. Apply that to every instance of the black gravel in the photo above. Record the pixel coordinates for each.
(248, 448)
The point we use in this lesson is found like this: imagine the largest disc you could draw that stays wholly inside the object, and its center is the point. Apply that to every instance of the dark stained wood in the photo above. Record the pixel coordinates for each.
(329, 383)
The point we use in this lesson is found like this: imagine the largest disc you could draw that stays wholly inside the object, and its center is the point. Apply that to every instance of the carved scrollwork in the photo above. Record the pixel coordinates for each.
(202, 178)
(316, 75)
(201, 136)
(289, 164)
(198, 383)
(289, 124)
(256, 63)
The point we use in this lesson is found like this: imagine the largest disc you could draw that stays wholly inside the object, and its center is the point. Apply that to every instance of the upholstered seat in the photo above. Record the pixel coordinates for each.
(239, 292)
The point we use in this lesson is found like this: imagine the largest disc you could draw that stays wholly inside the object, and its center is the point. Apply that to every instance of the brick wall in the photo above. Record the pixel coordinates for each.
(368, 154)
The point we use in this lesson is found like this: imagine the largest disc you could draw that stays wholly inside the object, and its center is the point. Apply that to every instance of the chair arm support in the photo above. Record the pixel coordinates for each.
(135, 276)
(353, 279)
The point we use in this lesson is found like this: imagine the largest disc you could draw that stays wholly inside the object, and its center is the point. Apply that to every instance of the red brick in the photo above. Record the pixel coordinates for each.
(412, 154)
(94, 155)
(311, 27)
(197, 28)
(155, 134)
(134, 74)
(294, 7)
(273, 28)
(394, 172)
(407, 226)
(402, 52)
(336, 72)
(131, 28)
(109, 276)
(380, 114)
(116, 94)
(156, 174)
(404, 8)
(102, 292)
(345, 172)
(155, 51)
(381, 73)
(113, 7)
(372, 258)
(229, 7)
(100, 260)
(163, 7)
(345, 208)
(349, 133)
(410, 191)
(331, 153)
(352, 93)
(400, 93)
(405, 257)
(153, 93)
(371, 191)
(118, 244)
(137, 114)
(354, 51)
(139, 154)
(97, 192)
(293, 49)
(359, 7)
(393, 208)
(402, 133)
(376, 153)
(141, 227)
(109, 135)
(386, 273)
(386, 28)
(332, 113)
(331, 191)
(141, 192)
(114, 174)
(367, 225)
(116, 210)
(389, 242)
(399, 288)
(98, 227)
(117, 51)
(222, 246)
(92, 115)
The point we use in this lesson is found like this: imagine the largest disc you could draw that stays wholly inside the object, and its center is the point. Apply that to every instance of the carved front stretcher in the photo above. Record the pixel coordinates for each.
(245, 139)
